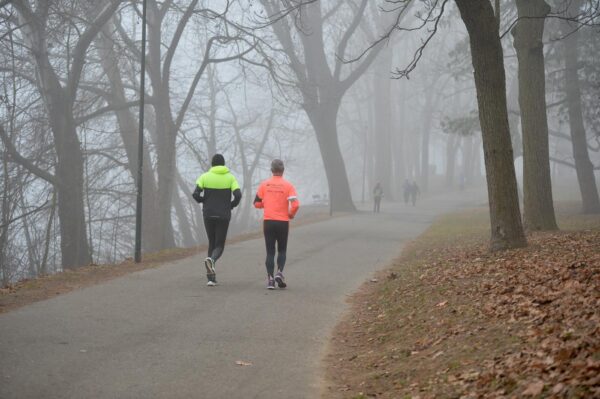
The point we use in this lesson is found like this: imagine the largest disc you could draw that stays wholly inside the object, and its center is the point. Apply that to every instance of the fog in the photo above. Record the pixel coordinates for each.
(348, 93)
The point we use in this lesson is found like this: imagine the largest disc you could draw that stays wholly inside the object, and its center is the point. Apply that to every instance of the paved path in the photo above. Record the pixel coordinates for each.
(162, 333)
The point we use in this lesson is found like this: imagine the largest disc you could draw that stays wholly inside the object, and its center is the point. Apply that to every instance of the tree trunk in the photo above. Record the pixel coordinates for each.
(468, 158)
(165, 131)
(451, 147)
(383, 120)
(490, 81)
(69, 171)
(324, 121)
(537, 187)
(583, 165)
(399, 138)
(425, 134)
(166, 166)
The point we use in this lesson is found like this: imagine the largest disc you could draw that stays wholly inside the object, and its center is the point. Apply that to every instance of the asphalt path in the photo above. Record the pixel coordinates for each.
(162, 333)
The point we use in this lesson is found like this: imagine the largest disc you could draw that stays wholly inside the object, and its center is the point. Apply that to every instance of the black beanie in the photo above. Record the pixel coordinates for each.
(218, 160)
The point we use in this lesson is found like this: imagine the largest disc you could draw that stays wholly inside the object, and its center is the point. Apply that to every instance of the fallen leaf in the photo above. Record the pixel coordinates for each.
(242, 363)
(558, 388)
(534, 389)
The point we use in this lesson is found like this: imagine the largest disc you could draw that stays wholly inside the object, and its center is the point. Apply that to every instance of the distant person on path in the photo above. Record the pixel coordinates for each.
(279, 201)
(414, 191)
(406, 188)
(377, 195)
(218, 185)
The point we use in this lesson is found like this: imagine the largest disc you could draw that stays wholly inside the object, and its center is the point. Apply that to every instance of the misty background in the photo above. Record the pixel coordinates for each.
(347, 92)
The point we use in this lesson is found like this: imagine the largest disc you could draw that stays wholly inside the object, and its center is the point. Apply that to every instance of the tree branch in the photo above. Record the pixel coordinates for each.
(175, 40)
(26, 163)
(341, 49)
(84, 43)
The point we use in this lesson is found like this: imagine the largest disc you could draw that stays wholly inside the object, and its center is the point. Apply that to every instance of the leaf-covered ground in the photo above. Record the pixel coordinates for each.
(450, 319)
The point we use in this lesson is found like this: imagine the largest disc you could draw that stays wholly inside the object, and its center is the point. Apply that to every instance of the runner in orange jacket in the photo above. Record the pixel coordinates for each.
(278, 198)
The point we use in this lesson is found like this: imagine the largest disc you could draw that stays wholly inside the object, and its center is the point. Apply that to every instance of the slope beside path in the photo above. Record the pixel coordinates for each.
(161, 333)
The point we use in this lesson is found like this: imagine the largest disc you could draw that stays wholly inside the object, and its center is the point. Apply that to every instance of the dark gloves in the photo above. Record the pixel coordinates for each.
(196, 195)
(237, 196)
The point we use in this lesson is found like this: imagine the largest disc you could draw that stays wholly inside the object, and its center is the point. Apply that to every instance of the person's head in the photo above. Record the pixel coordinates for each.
(277, 167)
(218, 160)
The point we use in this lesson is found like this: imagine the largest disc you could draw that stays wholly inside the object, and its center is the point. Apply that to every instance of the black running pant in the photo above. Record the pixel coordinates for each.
(276, 232)
(216, 230)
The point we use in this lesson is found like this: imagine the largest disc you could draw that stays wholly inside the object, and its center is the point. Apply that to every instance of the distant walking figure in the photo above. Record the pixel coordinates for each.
(377, 195)
(406, 188)
(414, 191)
(218, 186)
(279, 201)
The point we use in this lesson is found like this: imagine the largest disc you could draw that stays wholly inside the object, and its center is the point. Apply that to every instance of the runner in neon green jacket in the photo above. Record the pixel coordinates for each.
(214, 190)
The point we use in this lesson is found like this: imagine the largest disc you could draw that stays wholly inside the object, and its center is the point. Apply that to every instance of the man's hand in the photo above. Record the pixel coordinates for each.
(196, 195)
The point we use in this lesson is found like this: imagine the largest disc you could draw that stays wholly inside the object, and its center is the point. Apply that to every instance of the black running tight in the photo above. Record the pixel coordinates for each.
(276, 232)
(216, 230)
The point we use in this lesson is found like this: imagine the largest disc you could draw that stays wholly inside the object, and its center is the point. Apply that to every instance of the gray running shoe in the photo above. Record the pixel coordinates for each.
(270, 283)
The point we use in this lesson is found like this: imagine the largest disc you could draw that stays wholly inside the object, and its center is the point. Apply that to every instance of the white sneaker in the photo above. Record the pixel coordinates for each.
(211, 283)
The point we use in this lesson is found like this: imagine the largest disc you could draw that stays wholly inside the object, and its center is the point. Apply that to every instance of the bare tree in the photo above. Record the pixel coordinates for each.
(59, 92)
(320, 79)
(220, 46)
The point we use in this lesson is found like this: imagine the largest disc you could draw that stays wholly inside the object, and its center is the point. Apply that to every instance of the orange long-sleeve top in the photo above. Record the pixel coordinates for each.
(278, 198)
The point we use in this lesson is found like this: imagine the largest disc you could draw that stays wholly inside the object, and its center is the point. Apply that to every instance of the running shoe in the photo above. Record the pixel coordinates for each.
(209, 264)
(280, 280)
(212, 279)
(270, 283)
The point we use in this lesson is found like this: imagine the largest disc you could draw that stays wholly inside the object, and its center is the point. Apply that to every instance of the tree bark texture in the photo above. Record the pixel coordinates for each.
(490, 81)
(74, 244)
(583, 164)
(537, 186)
